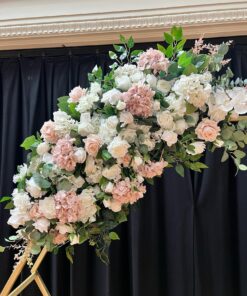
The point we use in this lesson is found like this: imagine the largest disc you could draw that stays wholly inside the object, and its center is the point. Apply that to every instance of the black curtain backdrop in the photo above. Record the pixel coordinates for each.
(187, 237)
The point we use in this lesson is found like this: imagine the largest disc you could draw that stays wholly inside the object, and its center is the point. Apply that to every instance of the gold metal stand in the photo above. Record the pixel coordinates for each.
(34, 276)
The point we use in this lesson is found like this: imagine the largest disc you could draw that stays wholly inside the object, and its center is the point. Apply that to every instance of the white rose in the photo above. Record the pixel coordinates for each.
(239, 99)
(169, 137)
(118, 147)
(109, 187)
(64, 228)
(123, 82)
(112, 96)
(112, 173)
(42, 148)
(126, 118)
(199, 147)
(164, 86)
(151, 80)
(180, 126)
(156, 105)
(112, 122)
(165, 120)
(47, 207)
(42, 225)
(17, 218)
(121, 105)
(80, 155)
(95, 87)
(90, 165)
(33, 188)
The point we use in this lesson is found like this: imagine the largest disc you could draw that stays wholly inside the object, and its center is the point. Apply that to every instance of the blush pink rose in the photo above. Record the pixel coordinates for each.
(76, 93)
(153, 59)
(34, 212)
(48, 132)
(139, 100)
(153, 169)
(59, 238)
(92, 144)
(207, 130)
(63, 154)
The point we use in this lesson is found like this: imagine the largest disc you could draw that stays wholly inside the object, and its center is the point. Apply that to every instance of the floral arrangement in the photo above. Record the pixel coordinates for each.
(155, 109)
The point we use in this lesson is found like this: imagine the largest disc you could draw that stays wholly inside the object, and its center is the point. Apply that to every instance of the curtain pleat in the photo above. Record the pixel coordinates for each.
(187, 237)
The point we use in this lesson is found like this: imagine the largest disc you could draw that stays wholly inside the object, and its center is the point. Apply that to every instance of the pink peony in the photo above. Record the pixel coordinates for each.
(207, 130)
(63, 154)
(139, 100)
(92, 144)
(76, 93)
(153, 169)
(68, 206)
(153, 59)
(48, 132)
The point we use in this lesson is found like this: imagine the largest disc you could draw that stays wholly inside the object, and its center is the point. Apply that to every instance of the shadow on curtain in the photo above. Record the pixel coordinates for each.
(187, 237)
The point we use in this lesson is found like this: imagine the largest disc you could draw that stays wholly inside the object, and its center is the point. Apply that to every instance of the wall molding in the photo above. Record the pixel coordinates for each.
(104, 29)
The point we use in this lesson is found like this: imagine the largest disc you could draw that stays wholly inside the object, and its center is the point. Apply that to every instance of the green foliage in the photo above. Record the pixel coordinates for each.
(69, 108)
(41, 181)
(180, 169)
(114, 236)
(69, 250)
(29, 142)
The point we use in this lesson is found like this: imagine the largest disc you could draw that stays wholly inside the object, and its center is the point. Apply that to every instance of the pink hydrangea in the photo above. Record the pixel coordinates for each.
(68, 206)
(153, 169)
(48, 132)
(63, 154)
(139, 100)
(76, 93)
(153, 59)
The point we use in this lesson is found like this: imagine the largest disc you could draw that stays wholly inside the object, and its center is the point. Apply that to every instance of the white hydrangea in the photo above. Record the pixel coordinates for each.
(22, 169)
(63, 123)
(239, 99)
(86, 102)
(176, 105)
(95, 88)
(193, 89)
(86, 126)
(21, 201)
(107, 129)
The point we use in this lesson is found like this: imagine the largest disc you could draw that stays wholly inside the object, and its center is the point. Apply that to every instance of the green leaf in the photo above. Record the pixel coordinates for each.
(64, 185)
(177, 33)
(242, 167)
(40, 181)
(239, 154)
(161, 48)
(9, 205)
(180, 44)
(2, 249)
(225, 156)
(122, 39)
(63, 103)
(180, 169)
(69, 253)
(169, 51)
(112, 55)
(238, 136)
(130, 42)
(119, 48)
(5, 198)
(168, 38)
(150, 181)
(135, 53)
(184, 59)
(190, 108)
(223, 49)
(106, 155)
(114, 236)
(35, 250)
(121, 217)
(28, 142)
(35, 235)
(190, 69)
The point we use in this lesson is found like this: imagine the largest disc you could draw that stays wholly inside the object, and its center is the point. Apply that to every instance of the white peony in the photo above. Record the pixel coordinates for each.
(112, 96)
(33, 188)
(80, 155)
(199, 147)
(165, 120)
(43, 148)
(151, 80)
(118, 147)
(169, 137)
(112, 173)
(47, 207)
(239, 99)
(163, 86)
(123, 82)
(42, 225)
(180, 126)
(17, 218)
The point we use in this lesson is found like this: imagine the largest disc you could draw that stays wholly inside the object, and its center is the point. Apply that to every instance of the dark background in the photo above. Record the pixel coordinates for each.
(187, 237)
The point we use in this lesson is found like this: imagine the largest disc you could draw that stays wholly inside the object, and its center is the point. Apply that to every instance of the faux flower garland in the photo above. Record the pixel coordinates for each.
(155, 109)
